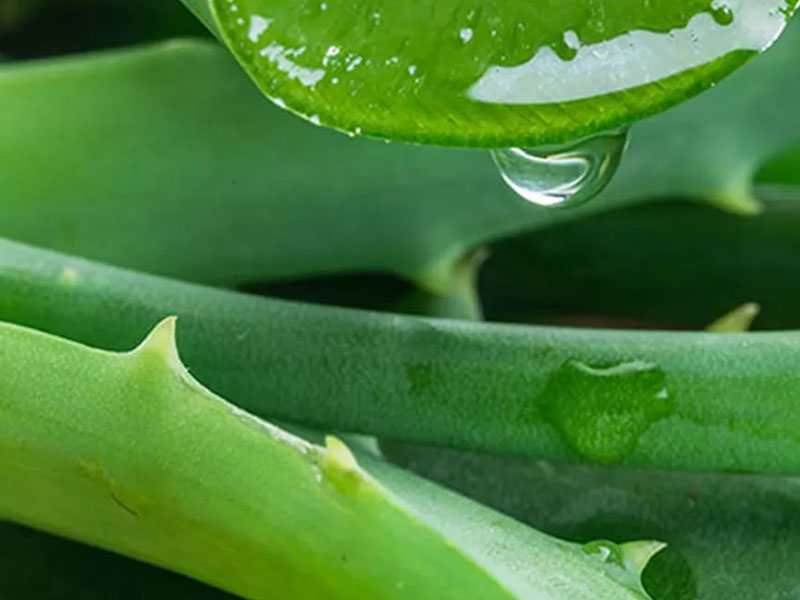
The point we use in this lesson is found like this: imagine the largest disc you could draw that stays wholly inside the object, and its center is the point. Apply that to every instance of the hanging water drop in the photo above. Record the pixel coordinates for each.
(566, 175)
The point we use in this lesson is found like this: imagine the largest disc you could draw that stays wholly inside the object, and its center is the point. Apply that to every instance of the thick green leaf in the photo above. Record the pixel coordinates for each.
(679, 400)
(254, 191)
(246, 193)
(128, 452)
(730, 536)
(483, 73)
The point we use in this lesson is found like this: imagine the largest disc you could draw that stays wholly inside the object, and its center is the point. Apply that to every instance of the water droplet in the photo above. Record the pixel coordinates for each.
(572, 40)
(722, 14)
(605, 552)
(623, 562)
(560, 176)
(602, 411)
(567, 46)
(329, 54)
(258, 25)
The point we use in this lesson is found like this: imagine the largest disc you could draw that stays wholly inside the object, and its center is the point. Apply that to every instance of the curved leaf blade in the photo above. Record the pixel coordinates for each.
(730, 536)
(128, 452)
(489, 74)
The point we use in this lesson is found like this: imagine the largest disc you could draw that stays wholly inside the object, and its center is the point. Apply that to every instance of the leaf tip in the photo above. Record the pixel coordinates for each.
(639, 554)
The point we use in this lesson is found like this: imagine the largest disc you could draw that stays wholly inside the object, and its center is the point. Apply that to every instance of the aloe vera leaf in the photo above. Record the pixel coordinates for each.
(671, 399)
(730, 536)
(249, 207)
(128, 452)
(255, 198)
(675, 265)
(483, 74)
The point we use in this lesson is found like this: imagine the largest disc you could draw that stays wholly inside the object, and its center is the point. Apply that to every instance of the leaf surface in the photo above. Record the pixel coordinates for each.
(128, 452)
(730, 536)
(486, 74)
(671, 399)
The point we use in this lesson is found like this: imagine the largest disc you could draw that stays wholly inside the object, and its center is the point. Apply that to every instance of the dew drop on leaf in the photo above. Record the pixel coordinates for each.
(626, 562)
(602, 411)
(566, 175)
(605, 552)
(722, 14)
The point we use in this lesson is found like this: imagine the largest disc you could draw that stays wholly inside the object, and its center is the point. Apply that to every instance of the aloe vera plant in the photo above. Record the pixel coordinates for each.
(146, 470)
(162, 183)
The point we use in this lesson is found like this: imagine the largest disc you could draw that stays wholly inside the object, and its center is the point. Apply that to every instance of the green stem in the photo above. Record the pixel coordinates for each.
(677, 400)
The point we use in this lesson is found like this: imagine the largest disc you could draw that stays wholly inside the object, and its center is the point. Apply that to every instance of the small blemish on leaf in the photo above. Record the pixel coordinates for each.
(68, 276)
(123, 506)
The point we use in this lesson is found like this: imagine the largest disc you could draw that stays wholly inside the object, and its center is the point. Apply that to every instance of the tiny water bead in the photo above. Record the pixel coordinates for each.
(626, 562)
(722, 14)
(563, 176)
(605, 552)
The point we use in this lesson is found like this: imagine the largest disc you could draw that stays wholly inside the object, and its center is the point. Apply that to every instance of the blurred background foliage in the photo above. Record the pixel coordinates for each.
(39, 28)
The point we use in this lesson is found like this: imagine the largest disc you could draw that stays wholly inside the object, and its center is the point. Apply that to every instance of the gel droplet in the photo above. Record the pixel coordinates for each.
(626, 562)
(602, 411)
(605, 552)
(563, 176)
(722, 14)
